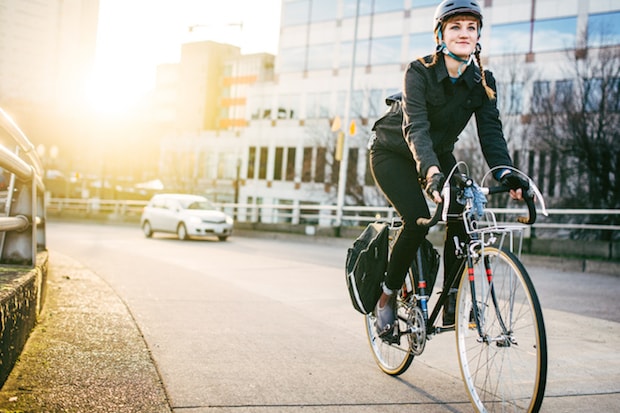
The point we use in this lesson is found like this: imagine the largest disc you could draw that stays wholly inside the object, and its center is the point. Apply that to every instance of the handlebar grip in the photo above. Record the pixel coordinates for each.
(429, 222)
(531, 209)
(529, 201)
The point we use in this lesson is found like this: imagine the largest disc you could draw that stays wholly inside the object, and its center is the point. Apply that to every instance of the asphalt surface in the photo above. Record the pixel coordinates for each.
(87, 353)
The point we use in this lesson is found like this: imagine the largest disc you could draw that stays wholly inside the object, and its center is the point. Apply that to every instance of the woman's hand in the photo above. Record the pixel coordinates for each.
(515, 183)
(434, 182)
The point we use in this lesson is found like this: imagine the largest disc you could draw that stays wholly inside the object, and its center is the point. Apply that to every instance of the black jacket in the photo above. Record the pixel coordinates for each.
(435, 112)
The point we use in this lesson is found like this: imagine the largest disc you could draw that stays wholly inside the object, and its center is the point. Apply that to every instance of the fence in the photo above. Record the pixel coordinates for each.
(315, 215)
(22, 221)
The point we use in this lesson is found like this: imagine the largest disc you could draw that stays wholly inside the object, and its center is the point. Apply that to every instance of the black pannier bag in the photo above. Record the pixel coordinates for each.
(430, 266)
(366, 266)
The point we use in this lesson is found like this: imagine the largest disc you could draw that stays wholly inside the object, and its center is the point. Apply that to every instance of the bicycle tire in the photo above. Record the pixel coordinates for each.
(393, 358)
(503, 372)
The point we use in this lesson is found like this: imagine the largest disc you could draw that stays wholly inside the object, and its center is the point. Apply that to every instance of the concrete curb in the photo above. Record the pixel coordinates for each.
(22, 296)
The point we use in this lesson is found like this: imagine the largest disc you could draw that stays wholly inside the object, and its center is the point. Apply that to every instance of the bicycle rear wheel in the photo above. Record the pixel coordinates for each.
(504, 367)
(393, 358)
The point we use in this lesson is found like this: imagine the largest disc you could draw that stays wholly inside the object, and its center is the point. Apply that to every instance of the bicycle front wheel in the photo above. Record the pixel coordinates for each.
(500, 333)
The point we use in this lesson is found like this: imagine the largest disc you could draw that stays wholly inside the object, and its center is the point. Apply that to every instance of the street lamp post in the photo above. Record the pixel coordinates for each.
(344, 162)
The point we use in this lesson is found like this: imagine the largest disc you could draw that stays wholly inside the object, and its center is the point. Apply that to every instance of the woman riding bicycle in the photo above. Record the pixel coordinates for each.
(441, 93)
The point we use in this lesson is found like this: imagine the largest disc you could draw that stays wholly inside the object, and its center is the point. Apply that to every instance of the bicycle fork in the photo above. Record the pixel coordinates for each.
(505, 339)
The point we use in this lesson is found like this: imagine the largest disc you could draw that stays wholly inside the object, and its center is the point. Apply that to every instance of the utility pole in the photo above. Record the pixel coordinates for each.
(344, 162)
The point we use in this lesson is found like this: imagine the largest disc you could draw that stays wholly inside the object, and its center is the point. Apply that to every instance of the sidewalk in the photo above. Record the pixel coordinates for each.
(85, 355)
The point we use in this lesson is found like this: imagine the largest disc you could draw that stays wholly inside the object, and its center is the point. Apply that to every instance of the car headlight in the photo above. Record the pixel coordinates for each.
(229, 220)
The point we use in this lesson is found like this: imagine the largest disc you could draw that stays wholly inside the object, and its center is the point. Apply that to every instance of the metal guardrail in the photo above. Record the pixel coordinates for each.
(22, 220)
(319, 215)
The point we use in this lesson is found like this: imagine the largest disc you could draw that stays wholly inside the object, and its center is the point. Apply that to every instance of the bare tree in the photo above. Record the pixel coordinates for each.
(579, 119)
(358, 191)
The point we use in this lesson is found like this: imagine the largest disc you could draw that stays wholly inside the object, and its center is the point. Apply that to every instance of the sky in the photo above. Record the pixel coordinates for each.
(134, 36)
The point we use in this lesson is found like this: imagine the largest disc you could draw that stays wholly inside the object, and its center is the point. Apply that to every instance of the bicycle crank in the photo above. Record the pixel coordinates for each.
(416, 329)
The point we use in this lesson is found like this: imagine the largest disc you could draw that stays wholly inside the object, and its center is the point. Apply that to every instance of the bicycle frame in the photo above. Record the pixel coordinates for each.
(480, 233)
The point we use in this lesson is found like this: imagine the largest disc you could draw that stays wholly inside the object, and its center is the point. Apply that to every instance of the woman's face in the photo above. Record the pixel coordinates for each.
(460, 34)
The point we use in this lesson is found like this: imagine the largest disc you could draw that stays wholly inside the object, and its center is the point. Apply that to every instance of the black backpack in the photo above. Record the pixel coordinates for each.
(366, 266)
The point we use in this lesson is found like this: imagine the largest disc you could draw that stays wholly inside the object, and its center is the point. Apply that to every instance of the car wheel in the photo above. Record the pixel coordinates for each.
(182, 231)
(222, 237)
(146, 228)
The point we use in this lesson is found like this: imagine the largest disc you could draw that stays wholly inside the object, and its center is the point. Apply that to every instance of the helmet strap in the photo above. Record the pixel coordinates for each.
(464, 62)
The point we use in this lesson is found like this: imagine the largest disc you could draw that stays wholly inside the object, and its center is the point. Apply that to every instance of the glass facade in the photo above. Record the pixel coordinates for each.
(293, 59)
(385, 50)
(323, 10)
(315, 57)
(424, 3)
(421, 44)
(513, 38)
(555, 34)
(321, 56)
(349, 7)
(603, 29)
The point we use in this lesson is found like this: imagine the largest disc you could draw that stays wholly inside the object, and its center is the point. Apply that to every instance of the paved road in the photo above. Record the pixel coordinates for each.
(264, 325)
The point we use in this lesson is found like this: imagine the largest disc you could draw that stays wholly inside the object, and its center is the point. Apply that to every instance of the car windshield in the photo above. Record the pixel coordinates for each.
(205, 205)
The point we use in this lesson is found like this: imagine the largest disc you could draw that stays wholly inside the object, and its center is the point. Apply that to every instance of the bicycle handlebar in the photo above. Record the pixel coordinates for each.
(527, 197)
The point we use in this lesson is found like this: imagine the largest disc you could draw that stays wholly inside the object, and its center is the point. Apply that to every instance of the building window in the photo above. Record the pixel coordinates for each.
(540, 96)
(613, 95)
(320, 56)
(278, 164)
(361, 53)
(556, 34)
(322, 10)
(563, 98)
(519, 35)
(290, 164)
(263, 162)
(306, 170)
(385, 50)
(321, 162)
(603, 29)
(349, 7)
(376, 103)
(424, 3)
(511, 99)
(317, 105)
(352, 168)
(369, 180)
(357, 104)
(293, 59)
(295, 12)
(288, 107)
(421, 44)
(259, 107)
(384, 6)
(251, 162)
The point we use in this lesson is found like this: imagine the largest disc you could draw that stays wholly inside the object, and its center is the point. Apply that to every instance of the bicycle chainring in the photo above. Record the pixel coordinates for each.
(417, 327)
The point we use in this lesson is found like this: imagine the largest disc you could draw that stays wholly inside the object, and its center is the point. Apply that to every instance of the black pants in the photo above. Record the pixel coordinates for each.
(396, 175)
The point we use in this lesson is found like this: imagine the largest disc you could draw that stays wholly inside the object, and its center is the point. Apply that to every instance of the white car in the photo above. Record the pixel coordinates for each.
(186, 216)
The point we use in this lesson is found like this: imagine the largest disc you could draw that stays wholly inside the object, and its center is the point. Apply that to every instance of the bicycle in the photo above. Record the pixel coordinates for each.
(500, 331)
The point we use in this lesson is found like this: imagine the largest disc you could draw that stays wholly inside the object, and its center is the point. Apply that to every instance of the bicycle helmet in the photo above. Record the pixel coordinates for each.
(449, 8)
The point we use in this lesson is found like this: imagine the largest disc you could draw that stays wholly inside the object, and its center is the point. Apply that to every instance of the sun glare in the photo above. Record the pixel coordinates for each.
(112, 95)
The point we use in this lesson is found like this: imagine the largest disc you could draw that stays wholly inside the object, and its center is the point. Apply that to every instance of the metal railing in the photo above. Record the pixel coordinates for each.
(22, 221)
(318, 215)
